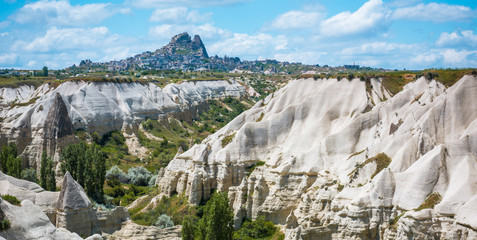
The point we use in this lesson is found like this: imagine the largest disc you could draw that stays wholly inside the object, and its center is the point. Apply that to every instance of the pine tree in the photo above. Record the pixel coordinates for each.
(51, 181)
(43, 170)
(9, 162)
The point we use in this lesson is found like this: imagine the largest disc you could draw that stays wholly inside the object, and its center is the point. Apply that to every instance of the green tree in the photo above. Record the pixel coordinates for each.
(189, 227)
(217, 221)
(87, 165)
(47, 173)
(45, 71)
(9, 162)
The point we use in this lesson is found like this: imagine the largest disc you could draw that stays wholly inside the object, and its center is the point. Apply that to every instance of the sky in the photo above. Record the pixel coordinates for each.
(393, 34)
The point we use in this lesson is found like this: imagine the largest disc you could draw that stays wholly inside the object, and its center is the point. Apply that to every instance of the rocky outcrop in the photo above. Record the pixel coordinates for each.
(75, 210)
(29, 222)
(58, 130)
(131, 230)
(96, 107)
(70, 208)
(340, 159)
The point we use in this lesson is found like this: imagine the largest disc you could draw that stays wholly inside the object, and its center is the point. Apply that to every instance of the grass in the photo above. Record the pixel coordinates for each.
(176, 207)
(382, 161)
(227, 139)
(432, 200)
(31, 101)
(260, 118)
(11, 199)
(356, 154)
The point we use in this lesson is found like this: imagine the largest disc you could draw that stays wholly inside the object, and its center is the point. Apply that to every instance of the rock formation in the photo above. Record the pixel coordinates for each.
(58, 129)
(345, 159)
(131, 230)
(96, 107)
(70, 208)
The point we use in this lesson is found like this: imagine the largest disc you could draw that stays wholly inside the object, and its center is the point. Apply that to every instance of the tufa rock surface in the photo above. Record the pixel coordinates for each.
(333, 159)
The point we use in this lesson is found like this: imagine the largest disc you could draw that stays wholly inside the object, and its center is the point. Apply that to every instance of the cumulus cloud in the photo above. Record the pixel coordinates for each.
(454, 57)
(206, 31)
(8, 58)
(457, 39)
(193, 3)
(297, 20)
(261, 45)
(63, 13)
(178, 15)
(68, 38)
(436, 12)
(368, 18)
(378, 48)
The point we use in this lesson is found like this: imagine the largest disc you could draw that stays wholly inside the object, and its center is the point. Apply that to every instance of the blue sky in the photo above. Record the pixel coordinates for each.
(395, 34)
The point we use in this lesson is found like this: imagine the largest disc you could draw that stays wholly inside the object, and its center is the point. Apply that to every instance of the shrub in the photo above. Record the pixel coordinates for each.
(11, 199)
(188, 227)
(164, 221)
(139, 176)
(4, 225)
(256, 229)
(29, 174)
(116, 173)
(152, 181)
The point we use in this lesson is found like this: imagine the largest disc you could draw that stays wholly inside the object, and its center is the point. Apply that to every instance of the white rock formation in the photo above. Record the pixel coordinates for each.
(134, 231)
(70, 209)
(317, 139)
(100, 107)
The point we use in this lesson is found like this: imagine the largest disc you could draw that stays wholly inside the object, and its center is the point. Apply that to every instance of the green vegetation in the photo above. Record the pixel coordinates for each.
(10, 164)
(432, 200)
(176, 207)
(164, 221)
(258, 229)
(227, 139)
(356, 154)
(4, 225)
(31, 101)
(382, 161)
(217, 220)
(11, 199)
(396, 220)
(253, 166)
(29, 174)
(47, 173)
(86, 164)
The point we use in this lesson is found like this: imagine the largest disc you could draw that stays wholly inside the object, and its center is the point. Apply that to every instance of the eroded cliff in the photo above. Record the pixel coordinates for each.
(344, 159)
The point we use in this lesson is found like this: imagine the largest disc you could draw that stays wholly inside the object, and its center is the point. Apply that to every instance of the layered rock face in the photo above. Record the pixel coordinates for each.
(96, 107)
(344, 159)
(68, 209)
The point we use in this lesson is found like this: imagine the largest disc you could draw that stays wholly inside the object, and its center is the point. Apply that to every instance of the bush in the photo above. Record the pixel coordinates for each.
(116, 173)
(29, 174)
(164, 221)
(4, 225)
(10, 164)
(139, 176)
(256, 229)
(11, 199)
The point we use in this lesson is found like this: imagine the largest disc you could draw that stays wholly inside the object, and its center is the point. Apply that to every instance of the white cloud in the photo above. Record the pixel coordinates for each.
(206, 31)
(456, 58)
(4, 24)
(368, 18)
(297, 20)
(8, 59)
(32, 63)
(68, 38)
(464, 38)
(377, 48)
(263, 45)
(63, 13)
(190, 3)
(306, 57)
(436, 12)
(178, 15)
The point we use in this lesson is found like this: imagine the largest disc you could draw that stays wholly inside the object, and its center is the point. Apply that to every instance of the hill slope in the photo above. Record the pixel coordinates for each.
(344, 159)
